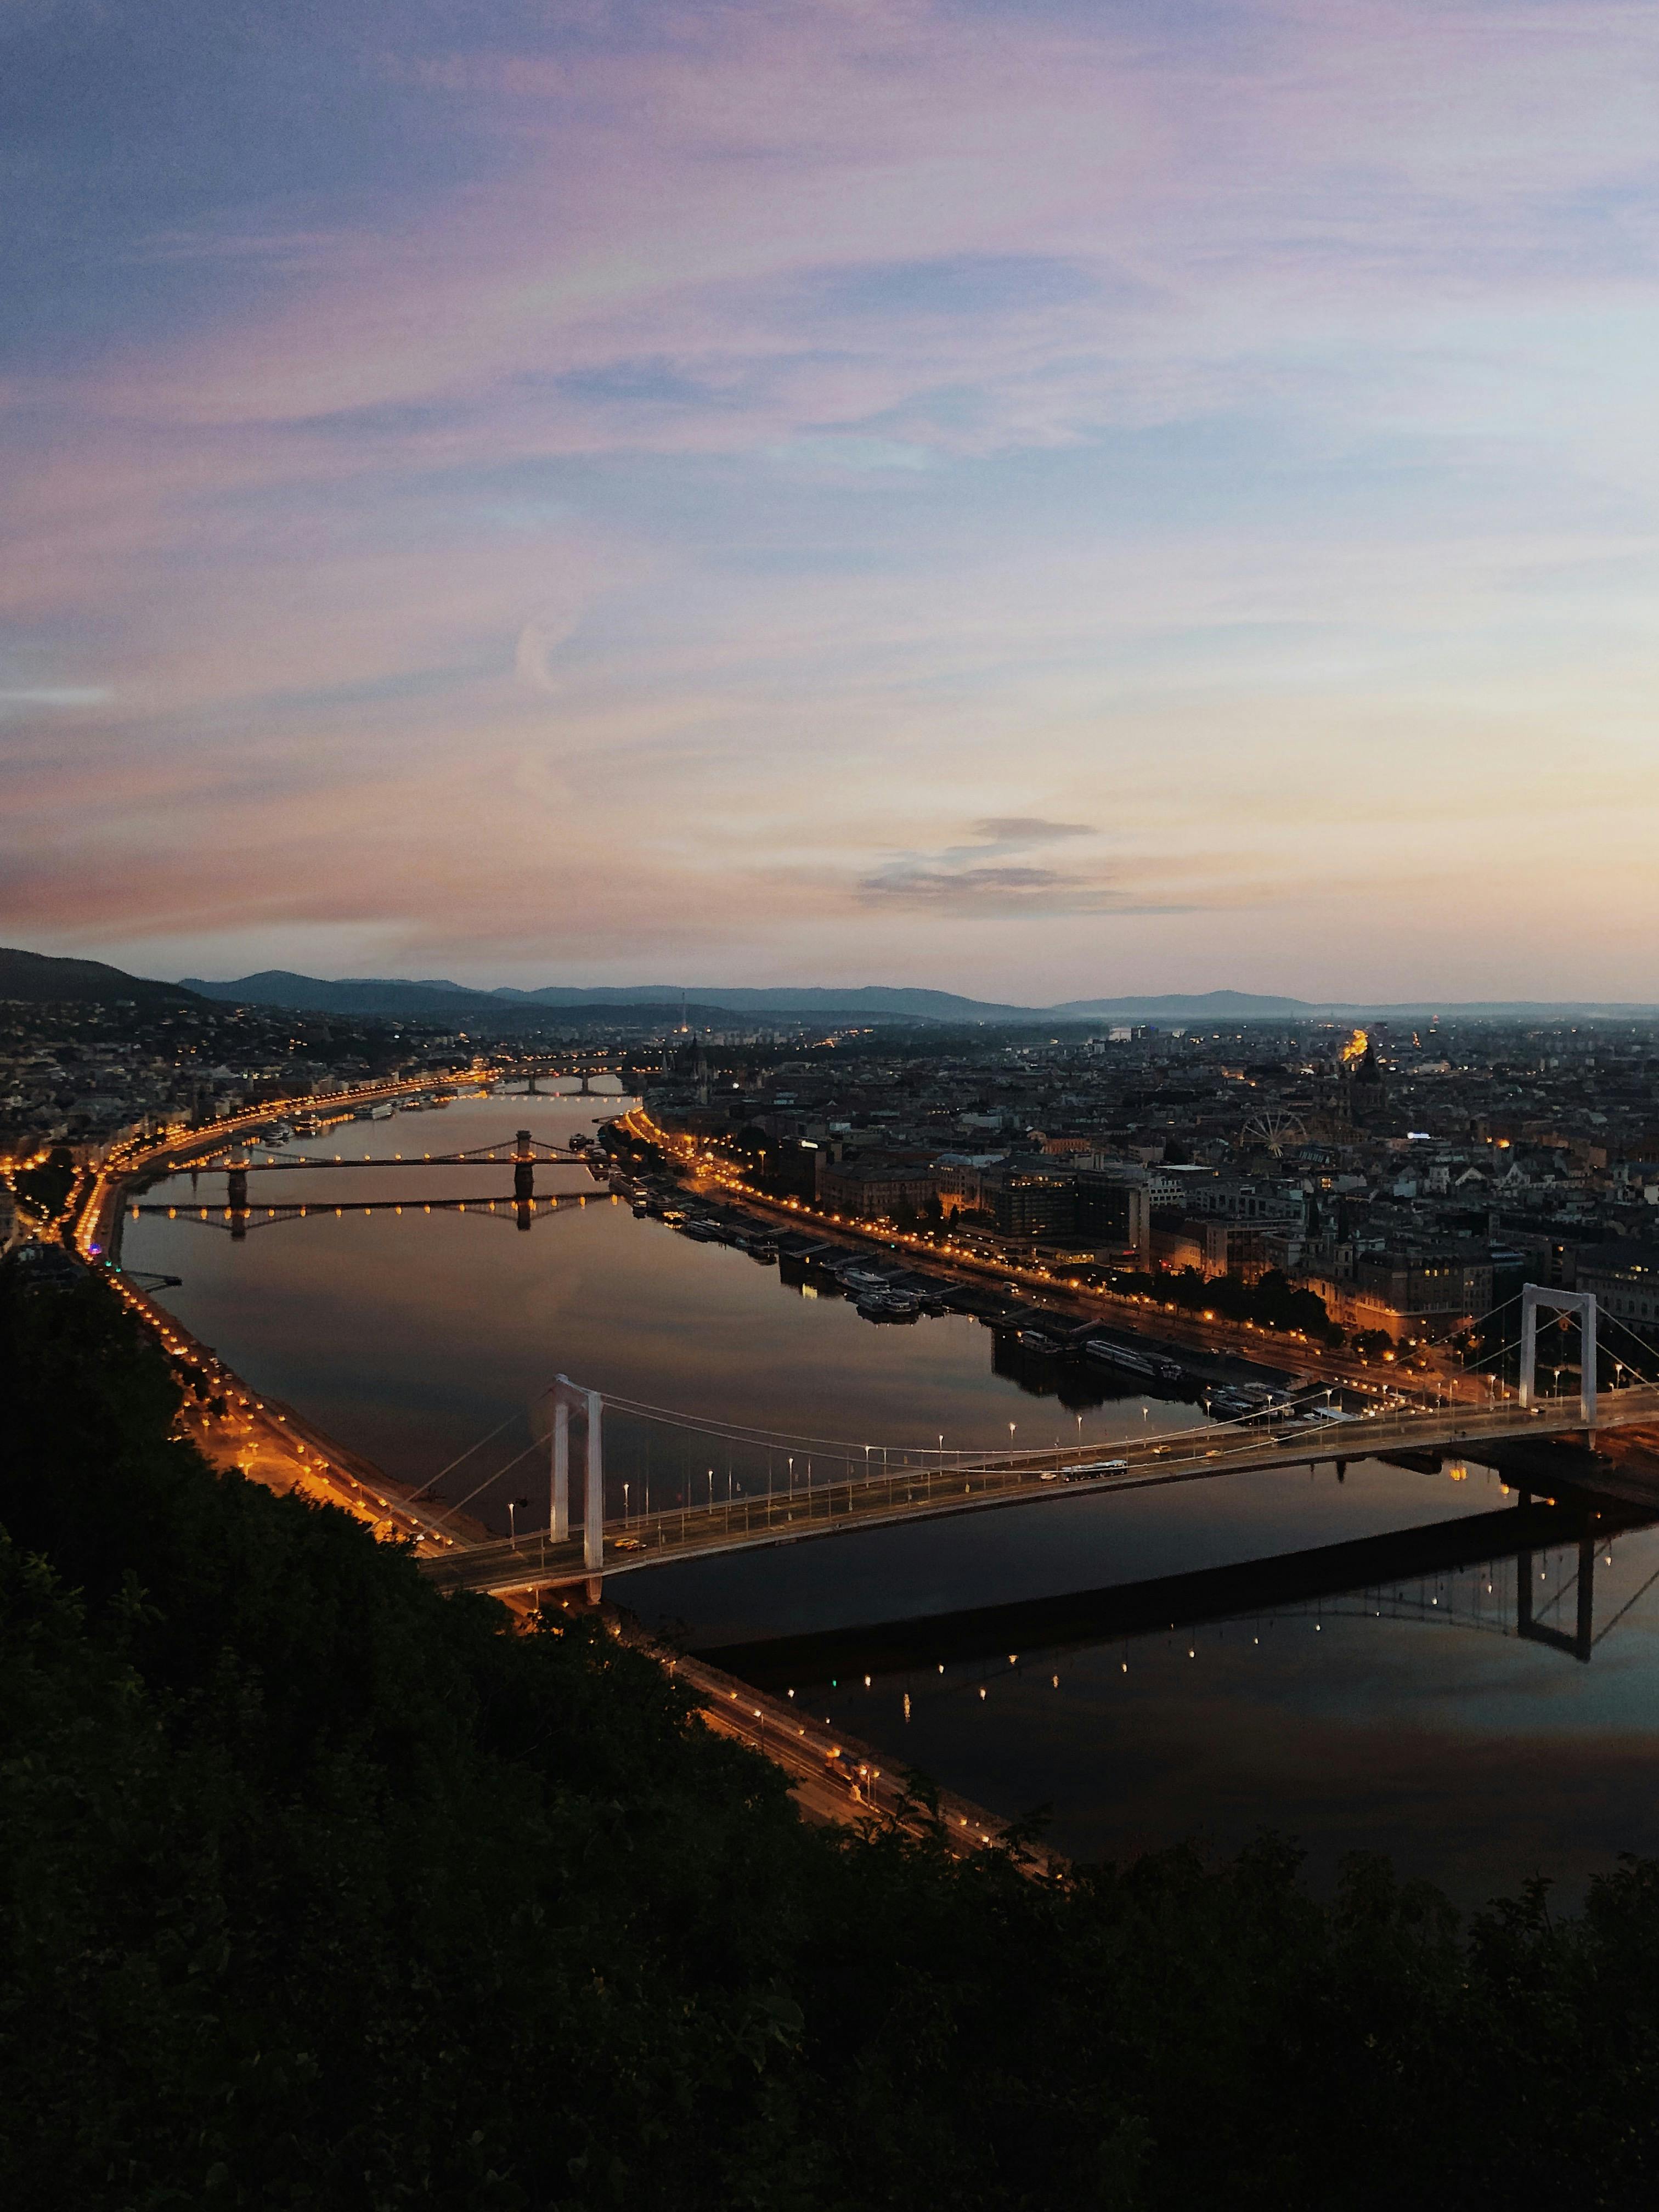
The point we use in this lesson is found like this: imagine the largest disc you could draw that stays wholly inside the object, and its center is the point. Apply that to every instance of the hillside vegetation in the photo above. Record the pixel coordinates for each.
(39, 979)
(320, 1890)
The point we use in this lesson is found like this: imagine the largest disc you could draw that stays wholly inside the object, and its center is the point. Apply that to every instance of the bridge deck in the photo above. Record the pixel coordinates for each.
(925, 1492)
(292, 1162)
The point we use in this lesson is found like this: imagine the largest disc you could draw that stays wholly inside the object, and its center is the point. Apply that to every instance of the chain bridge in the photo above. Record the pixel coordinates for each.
(236, 1162)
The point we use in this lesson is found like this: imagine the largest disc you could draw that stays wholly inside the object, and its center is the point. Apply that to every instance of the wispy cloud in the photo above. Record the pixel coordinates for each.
(56, 694)
(983, 890)
(986, 877)
(1014, 832)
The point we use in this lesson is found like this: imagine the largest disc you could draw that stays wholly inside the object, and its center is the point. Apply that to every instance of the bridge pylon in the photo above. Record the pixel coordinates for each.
(1583, 1302)
(236, 1169)
(593, 1504)
(567, 1394)
(558, 1515)
(524, 1165)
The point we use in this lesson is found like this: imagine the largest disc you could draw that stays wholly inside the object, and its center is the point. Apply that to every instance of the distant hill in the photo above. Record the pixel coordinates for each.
(875, 1000)
(1242, 1005)
(715, 1005)
(352, 994)
(39, 980)
(437, 999)
(435, 996)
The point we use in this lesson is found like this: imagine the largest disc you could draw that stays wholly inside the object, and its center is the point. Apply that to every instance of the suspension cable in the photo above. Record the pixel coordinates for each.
(467, 1454)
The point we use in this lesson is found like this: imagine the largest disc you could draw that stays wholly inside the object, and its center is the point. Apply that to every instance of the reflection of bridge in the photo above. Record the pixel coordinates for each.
(1479, 1572)
(846, 1486)
(238, 1222)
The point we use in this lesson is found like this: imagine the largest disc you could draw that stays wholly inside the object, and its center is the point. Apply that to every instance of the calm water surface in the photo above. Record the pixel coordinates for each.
(1412, 1719)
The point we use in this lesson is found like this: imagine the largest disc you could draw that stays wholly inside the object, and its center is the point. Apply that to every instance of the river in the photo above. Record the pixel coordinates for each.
(1409, 1717)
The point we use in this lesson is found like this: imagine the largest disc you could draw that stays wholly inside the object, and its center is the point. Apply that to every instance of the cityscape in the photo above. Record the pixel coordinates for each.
(1410, 1176)
(829, 1107)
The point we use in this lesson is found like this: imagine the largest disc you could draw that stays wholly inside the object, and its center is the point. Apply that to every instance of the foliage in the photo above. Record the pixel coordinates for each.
(1272, 1301)
(320, 1890)
(46, 1188)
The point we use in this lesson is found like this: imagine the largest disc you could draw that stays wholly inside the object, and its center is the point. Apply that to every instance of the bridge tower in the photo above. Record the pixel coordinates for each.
(236, 1194)
(593, 1504)
(558, 1518)
(524, 1165)
(566, 1395)
(1583, 1302)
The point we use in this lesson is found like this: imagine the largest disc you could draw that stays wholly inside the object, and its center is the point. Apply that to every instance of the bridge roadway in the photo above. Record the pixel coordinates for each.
(501, 1566)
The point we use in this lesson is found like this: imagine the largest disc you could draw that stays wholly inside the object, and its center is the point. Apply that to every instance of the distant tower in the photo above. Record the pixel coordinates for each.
(1368, 1098)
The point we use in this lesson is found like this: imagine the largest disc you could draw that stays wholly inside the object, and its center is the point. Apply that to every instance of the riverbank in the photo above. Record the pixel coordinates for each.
(233, 1426)
(1212, 1335)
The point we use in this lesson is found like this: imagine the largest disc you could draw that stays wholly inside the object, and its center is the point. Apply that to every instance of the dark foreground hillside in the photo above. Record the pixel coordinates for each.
(322, 1890)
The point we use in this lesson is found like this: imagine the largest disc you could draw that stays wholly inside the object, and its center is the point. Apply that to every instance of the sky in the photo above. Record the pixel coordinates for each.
(1042, 501)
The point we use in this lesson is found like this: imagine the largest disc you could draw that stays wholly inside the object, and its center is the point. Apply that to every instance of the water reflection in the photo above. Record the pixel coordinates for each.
(1527, 1570)
(1425, 1717)
(238, 1222)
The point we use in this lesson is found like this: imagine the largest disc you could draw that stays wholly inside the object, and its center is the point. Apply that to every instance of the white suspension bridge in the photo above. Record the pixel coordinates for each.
(779, 1488)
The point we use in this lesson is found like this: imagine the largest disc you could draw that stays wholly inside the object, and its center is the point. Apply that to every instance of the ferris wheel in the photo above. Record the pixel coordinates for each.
(1272, 1129)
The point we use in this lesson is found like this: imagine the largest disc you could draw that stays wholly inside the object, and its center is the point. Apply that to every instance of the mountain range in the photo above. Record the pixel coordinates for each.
(38, 978)
(883, 1003)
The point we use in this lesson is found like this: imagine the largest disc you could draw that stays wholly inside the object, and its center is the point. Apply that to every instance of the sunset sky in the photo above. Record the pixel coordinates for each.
(1035, 500)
